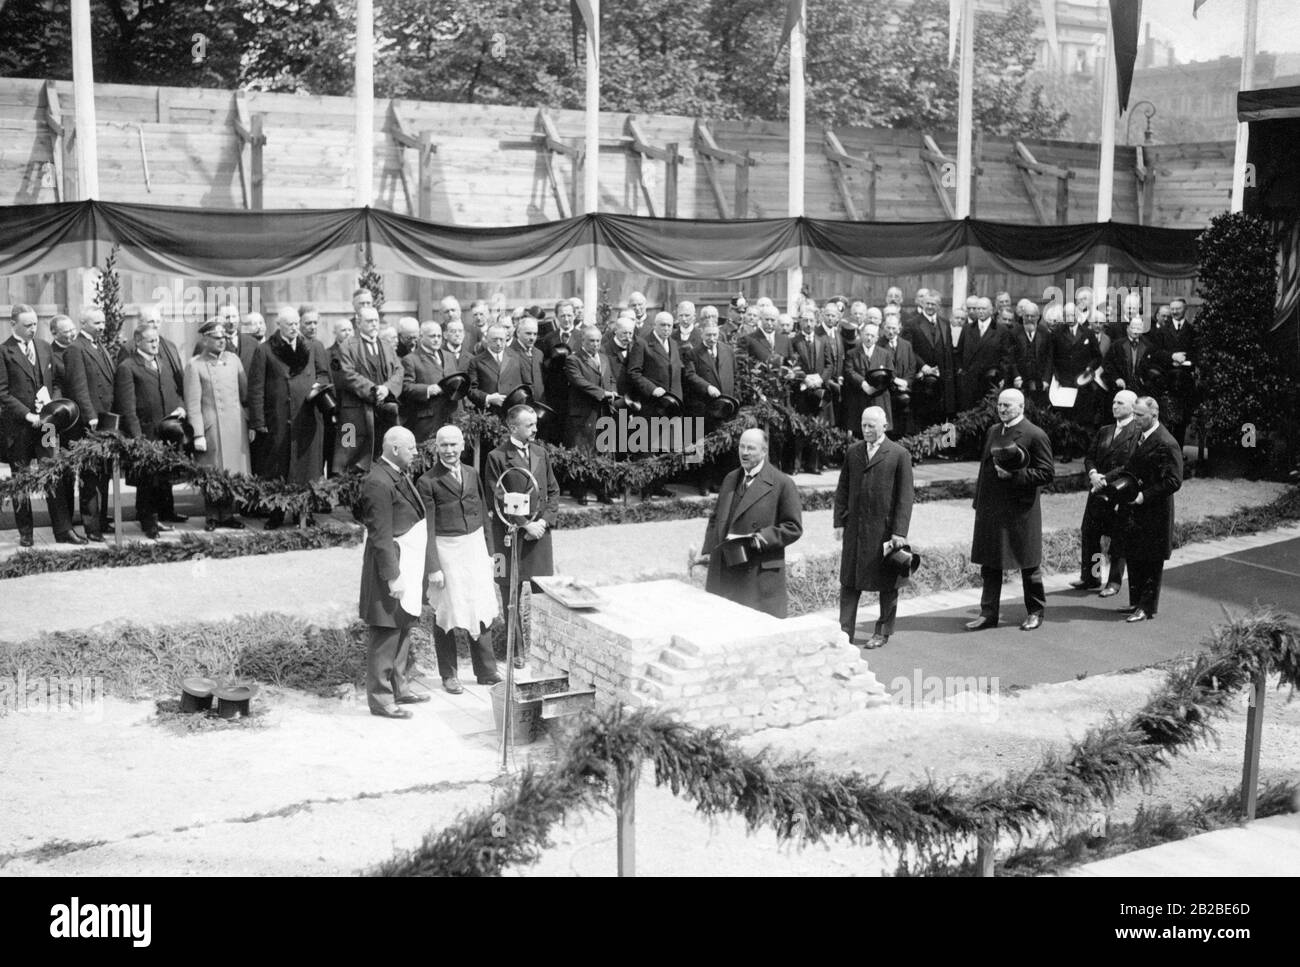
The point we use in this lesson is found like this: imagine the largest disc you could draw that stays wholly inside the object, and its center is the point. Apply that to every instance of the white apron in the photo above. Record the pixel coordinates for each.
(468, 597)
(411, 548)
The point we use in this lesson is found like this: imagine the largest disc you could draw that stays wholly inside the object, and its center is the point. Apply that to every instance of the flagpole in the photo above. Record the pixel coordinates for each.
(83, 100)
(591, 163)
(364, 137)
(1106, 168)
(794, 277)
(1247, 81)
(965, 132)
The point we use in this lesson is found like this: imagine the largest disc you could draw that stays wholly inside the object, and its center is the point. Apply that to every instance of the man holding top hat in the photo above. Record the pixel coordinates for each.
(1015, 463)
(1147, 523)
(591, 391)
(394, 573)
(709, 375)
(460, 562)
(1110, 451)
(873, 509)
(756, 517)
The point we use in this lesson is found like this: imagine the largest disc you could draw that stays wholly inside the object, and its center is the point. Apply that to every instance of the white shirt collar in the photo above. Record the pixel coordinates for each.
(391, 464)
(1120, 424)
(1015, 421)
(517, 445)
(750, 475)
(1151, 430)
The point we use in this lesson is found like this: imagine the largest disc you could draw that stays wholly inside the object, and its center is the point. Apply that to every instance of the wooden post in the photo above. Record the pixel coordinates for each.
(83, 100)
(364, 92)
(670, 182)
(255, 161)
(1254, 728)
(742, 187)
(625, 805)
(117, 501)
(986, 854)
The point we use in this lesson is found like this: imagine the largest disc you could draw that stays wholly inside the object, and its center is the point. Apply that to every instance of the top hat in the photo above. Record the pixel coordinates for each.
(537, 312)
(60, 414)
(559, 354)
(544, 412)
(455, 386)
(669, 405)
(519, 396)
(880, 377)
(1122, 487)
(1010, 456)
(723, 407)
(992, 376)
(325, 401)
(927, 386)
(109, 423)
(903, 560)
(737, 551)
(1085, 377)
(621, 403)
(174, 430)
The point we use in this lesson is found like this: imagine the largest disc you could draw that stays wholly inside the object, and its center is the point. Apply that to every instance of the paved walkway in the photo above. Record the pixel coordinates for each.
(1265, 847)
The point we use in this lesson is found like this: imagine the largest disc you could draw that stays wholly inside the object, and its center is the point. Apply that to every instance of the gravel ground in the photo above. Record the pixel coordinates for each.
(322, 585)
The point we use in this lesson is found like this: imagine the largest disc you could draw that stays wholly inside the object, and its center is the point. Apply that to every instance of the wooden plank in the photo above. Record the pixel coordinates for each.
(257, 176)
(239, 121)
(670, 181)
(706, 148)
(1254, 732)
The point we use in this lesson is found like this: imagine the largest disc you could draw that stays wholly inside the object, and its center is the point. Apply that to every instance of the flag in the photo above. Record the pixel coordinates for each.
(1049, 28)
(1125, 21)
(585, 20)
(793, 14)
(1196, 6)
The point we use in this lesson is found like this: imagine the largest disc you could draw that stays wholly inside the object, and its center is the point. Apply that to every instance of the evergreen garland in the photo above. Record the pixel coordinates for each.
(806, 804)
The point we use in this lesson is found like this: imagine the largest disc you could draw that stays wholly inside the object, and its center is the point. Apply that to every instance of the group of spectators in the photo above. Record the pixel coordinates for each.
(283, 406)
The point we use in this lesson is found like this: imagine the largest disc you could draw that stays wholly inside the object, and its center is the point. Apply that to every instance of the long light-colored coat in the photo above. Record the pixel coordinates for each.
(215, 390)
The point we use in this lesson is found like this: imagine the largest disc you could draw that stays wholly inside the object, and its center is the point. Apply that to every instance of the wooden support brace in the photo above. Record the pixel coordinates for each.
(396, 129)
(711, 156)
(1254, 732)
(935, 160)
(670, 155)
(841, 161)
(243, 136)
(1028, 165)
(58, 140)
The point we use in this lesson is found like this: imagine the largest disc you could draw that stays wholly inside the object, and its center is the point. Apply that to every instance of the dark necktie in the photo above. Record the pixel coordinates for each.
(371, 348)
(29, 350)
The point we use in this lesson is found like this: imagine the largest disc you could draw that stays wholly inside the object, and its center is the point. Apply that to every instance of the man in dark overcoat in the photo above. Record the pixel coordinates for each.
(1008, 519)
(1110, 451)
(287, 373)
(591, 388)
(1147, 524)
(390, 507)
(761, 502)
(873, 507)
(522, 450)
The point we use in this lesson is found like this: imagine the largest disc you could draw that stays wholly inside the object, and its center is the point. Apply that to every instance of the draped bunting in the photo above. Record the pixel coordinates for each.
(261, 245)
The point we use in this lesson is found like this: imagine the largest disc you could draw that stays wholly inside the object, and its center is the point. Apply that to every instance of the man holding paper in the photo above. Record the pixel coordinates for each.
(756, 517)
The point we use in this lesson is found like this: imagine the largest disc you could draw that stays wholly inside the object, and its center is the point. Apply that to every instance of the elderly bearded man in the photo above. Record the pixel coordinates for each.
(1008, 519)
(873, 508)
(460, 562)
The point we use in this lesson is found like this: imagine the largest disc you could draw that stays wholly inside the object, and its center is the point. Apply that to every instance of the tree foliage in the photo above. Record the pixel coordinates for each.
(882, 63)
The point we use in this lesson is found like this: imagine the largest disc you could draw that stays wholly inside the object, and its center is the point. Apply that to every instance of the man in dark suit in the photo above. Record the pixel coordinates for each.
(906, 368)
(1031, 356)
(493, 372)
(1147, 524)
(767, 344)
(1110, 451)
(932, 402)
(521, 450)
(555, 348)
(654, 365)
(617, 346)
(686, 332)
(1008, 520)
(828, 327)
(708, 373)
(425, 407)
(1075, 351)
(343, 331)
(147, 390)
(88, 370)
(456, 349)
(873, 506)
(394, 573)
(810, 396)
(1175, 342)
(1128, 359)
(372, 384)
(524, 348)
(760, 502)
(27, 383)
(985, 356)
(591, 388)
(866, 356)
(460, 570)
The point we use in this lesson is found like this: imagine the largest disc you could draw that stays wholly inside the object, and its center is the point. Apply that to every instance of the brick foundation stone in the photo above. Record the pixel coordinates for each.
(666, 644)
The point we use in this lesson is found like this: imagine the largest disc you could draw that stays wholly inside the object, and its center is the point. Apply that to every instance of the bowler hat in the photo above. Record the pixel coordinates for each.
(174, 430)
(880, 377)
(60, 414)
(669, 405)
(519, 396)
(325, 401)
(1122, 487)
(1010, 456)
(737, 551)
(903, 560)
(723, 407)
(455, 387)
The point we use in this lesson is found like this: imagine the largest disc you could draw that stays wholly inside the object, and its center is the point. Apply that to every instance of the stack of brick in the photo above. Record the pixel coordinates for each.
(666, 644)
